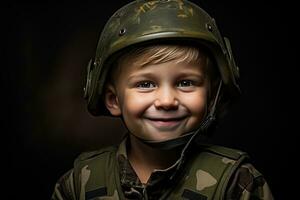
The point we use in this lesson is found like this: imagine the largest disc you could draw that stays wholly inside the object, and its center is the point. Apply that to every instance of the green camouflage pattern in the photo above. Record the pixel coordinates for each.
(213, 173)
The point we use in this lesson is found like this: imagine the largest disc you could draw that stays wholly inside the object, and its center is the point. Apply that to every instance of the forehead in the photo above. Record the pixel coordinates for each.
(155, 58)
(168, 70)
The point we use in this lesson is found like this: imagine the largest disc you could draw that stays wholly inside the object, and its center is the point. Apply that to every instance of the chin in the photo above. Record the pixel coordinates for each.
(162, 136)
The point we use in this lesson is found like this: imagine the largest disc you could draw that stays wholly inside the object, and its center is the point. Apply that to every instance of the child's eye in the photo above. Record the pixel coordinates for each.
(146, 84)
(185, 83)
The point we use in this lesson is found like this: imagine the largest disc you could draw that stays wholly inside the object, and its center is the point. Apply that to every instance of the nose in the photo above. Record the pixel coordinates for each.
(166, 99)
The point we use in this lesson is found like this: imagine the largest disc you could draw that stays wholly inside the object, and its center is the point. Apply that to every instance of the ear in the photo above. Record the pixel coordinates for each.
(111, 100)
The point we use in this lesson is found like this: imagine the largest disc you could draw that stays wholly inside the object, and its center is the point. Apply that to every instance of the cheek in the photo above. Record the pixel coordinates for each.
(135, 104)
(196, 103)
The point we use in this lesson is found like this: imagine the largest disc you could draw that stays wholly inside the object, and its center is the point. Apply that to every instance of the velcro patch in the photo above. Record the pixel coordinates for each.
(191, 195)
(100, 192)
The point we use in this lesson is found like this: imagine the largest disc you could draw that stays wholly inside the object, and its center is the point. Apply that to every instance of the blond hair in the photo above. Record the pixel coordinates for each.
(158, 54)
(162, 53)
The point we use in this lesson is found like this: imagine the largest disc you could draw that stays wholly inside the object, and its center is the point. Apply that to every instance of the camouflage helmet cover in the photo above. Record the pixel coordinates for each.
(148, 21)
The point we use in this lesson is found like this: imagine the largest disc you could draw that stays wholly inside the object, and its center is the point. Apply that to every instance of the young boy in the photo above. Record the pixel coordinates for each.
(163, 67)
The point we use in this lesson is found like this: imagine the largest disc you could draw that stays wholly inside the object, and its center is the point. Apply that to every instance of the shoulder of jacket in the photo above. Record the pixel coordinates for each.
(90, 155)
(223, 151)
(91, 167)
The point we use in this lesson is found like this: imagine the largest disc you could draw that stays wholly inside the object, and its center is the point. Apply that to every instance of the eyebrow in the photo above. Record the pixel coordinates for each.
(152, 75)
(147, 74)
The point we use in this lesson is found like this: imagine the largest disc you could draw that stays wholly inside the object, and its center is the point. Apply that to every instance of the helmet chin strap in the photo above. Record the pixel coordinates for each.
(187, 138)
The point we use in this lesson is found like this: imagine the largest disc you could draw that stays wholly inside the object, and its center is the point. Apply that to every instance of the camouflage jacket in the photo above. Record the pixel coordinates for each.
(213, 172)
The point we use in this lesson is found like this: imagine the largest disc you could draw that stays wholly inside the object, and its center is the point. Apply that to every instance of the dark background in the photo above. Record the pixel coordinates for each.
(45, 123)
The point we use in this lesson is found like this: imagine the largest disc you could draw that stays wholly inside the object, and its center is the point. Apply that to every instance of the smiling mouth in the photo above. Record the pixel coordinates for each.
(166, 123)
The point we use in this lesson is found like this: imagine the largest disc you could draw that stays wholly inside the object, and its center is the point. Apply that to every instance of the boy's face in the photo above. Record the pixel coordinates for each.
(159, 102)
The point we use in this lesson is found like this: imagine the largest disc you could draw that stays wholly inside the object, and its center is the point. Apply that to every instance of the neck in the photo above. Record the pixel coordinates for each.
(145, 159)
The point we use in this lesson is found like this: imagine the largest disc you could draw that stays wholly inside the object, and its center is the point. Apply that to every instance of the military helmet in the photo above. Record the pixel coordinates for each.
(144, 22)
